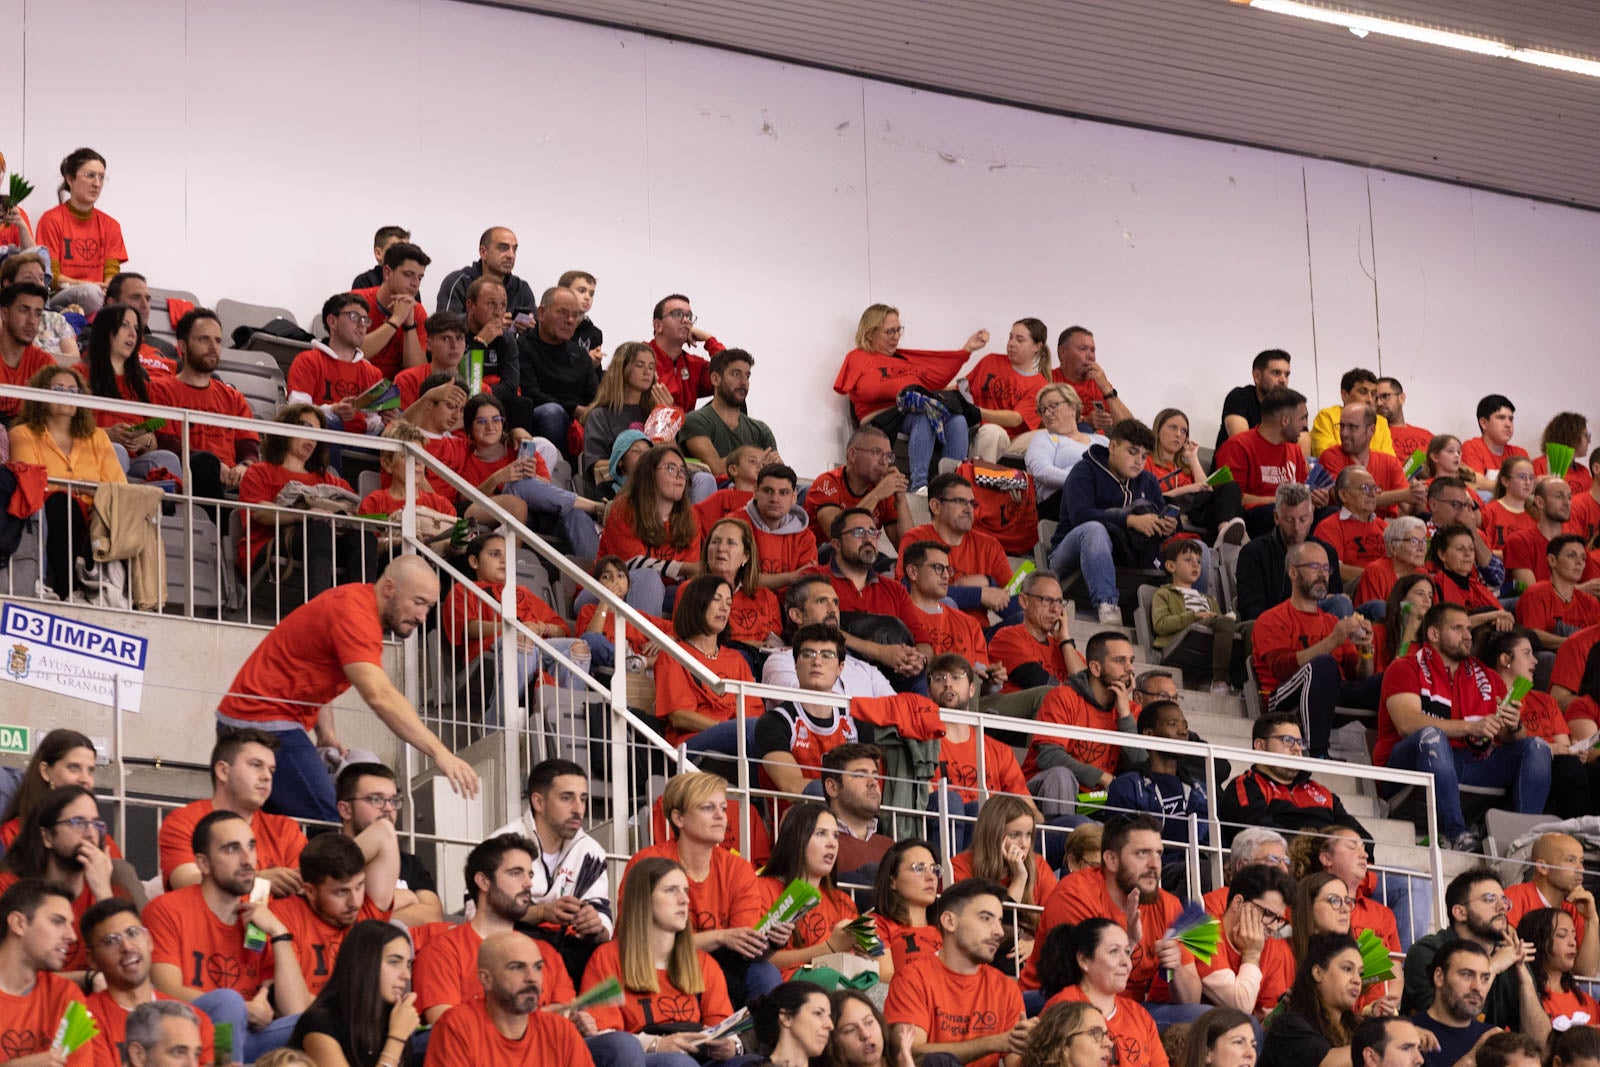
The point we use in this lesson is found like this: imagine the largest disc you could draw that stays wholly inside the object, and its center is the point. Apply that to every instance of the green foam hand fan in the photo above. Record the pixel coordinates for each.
(1015, 585)
(1560, 458)
(865, 932)
(1414, 463)
(1519, 689)
(77, 1029)
(1221, 476)
(607, 994)
(1376, 966)
(1197, 931)
(797, 898)
(1091, 802)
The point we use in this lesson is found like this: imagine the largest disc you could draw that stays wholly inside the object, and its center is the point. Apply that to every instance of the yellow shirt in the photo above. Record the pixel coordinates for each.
(92, 459)
(1325, 432)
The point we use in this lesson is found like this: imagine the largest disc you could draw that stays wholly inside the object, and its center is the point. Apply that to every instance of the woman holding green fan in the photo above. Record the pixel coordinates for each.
(1566, 441)
(1409, 600)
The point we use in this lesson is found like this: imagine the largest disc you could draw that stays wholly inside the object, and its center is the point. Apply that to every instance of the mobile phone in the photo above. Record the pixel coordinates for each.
(1171, 511)
(524, 318)
(527, 450)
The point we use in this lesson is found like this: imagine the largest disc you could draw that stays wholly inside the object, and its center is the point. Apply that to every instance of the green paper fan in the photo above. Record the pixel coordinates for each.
(1414, 463)
(77, 1028)
(1376, 966)
(797, 898)
(1201, 939)
(607, 994)
(1221, 476)
(1560, 457)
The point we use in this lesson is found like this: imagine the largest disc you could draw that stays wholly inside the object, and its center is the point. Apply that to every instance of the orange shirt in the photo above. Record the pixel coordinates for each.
(872, 381)
(726, 900)
(1277, 969)
(1138, 1043)
(82, 247)
(780, 553)
(948, 630)
(636, 640)
(668, 1004)
(676, 690)
(958, 761)
(208, 953)
(815, 925)
(77, 957)
(317, 941)
(113, 1020)
(1014, 646)
(1281, 633)
(34, 359)
(721, 504)
(1358, 543)
(1498, 523)
(304, 656)
(752, 618)
(1084, 895)
(1065, 705)
(1525, 897)
(216, 398)
(999, 386)
(326, 379)
(953, 1007)
(618, 538)
(462, 607)
(832, 489)
(1476, 455)
(28, 1024)
(1044, 879)
(1561, 1004)
(467, 1037)
(385, 502)
(279, 840)
(906, 943)
(261, 484)
(447, 971)
(978, 553)
(1539, 608)
(389, 358)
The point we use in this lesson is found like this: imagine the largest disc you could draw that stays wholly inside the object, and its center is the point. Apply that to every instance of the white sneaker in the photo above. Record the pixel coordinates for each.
(1231, 533)
(922, 492)
(1222, 689)
(1110, 615)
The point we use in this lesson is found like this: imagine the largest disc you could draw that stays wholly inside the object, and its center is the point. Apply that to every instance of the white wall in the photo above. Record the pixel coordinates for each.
(254, 147)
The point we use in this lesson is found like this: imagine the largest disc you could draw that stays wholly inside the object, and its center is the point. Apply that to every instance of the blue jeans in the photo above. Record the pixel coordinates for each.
(529, 664)
(723, 740)
(227, 1006)
(1524, 766)
(647, 593)
(1165, 1015)
(920, 440)
(302, 788)
(1087, 548)
(1410, 897)
(136, 467)
(547, 499)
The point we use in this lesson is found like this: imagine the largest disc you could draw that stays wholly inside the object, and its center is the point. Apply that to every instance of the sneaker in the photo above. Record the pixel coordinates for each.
(1231, 533)
(634, 664)
(921, 491)
(1465, 841)
(1110, 615)
(1222, 689)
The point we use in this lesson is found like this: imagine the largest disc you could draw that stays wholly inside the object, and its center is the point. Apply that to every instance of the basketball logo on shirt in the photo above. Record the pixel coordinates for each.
(742, 620)
(812, 928)
(961, 774)
(15, 1044)
(1129, 1048)
(702, 920)
(222, 971)
(84, 248)
(677, 1009)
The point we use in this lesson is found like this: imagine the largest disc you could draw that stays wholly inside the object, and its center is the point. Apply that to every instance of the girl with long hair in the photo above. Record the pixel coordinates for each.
(1568, 428)
(1318, 1018)
(1574, 782)
(114, 372)
(1072, 1033)
(1452, 557)
(729, 552)
(85, 244)
(1222, 1037)
(1409, 600)
(1444, 459)
(1175, 461)
(367, 1013)
(1003, 386)
(63, 840)
(1507, 513)
(63, 757)
(652, 526)
(628, 392)
(708, 721)
(1002, 851)
(806, 848)
(1554, 938)
(671, 990)
(1091, 962)
(907, 885)
(861, 1038)
(792, 1024)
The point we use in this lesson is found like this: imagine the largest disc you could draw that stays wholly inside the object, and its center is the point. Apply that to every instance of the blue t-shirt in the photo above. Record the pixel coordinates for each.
(1454, 1041)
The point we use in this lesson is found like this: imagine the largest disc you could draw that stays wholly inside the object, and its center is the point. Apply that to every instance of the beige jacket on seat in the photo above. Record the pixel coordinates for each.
(126, 524)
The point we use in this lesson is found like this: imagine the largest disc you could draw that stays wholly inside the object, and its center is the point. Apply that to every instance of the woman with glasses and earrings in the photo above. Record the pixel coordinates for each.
(707, 721)
(906, 887)
(1222, 1037)
(63, 757)
(64, 841)
(366, 1015)
(1405, 551)
(1070, 1034)
(1508, 513)
(1090, 962)
(1058, 446)
(653, 528)
(898, 390)
(1409, 600)
(64, 440)
(1453, 559)
(1318, 1018)
(1554, 938)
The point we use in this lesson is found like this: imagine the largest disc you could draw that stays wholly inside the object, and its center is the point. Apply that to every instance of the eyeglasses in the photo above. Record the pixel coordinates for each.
(675, 470)
(493, 420)
(1314, 568)
(1047, 601)
(1098, 1034)
(875, 453)
(1365, 489)
(80, 824)
(381, 801)
(941, 569)
(682, 315)
(896, 332)
(115, 941)
(958, 501)
(826, 655)
(1494, 900)
(920, 867)
(356, 316)
(945, 678)
(1046, 409)
(863, 533)
(1414, 542)
(1289, 741)
(1338, 903)
(1269, 918)
(73, 389)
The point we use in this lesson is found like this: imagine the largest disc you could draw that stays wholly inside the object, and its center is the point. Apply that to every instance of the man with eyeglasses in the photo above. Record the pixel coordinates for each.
(330, 375)
(941, 628)
(339, 887)
(1281, 797)
(1040, 649)
(1356, 386)
(368, 794)
(1390, 402)
(1254, 965)
(687, 376)
(979, 571)
(876, 613)
(1527, 550)
(1476, 904)
(571, 889)
(397, 335)
(556, 373)
(792, 737)
(1452, 502)
(868, 479)
(119, 950)
(812, 599)
(1446, 713)
(36, 937)
(21, 311)
(1306, 660)
(713, 431)
(497, 258)
(1355, 531)
(1357, 424)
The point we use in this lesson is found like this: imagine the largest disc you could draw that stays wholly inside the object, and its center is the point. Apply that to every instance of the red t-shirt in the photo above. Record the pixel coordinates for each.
(958, 761)
(978, 553)
(385, 502)
(752, 618)
(447, 971)
(721, 504)
(906, 943)
(328, 380)
(1541, 609)
(300, 664)
(1469, 691)
(208, 953)
(1088, 390)
(998, 386)
(462, 607)
(28, 1024)
(1528, 549)
(1170, 477)
(154, 362)
(81, 247)
(814, 926)
(317, 941)
(1083, 895)
(216, 398)
(677, 690)
(1044, 879)
(466, 1037)
(873, 381)
(687, 378)
(1014, 646)
(1572, 657)
(34, 359)
(1277, 968)
(726, 900)
(1525, 897)
(1387, 471)
(10, 234)
(1476, 455)
(832, 489)
(785, 552)
(1407, 439)
(1065, 705)
(391, 356)
(1258, 465)
(668, 1004)
(11, 827)
(1281, 633)
(948, 630)
(1134, 1032)
(1585, 519)
(953, 1007)
(1542, 717)
(409, 382)
(619, 538)
(113, 1021)
(261, 484)
(636, 640)
(279, 839)
(879, 596)
(1474, 596)
(1358, 543)
(1498, 524)
(155, 393)
(1376, 580)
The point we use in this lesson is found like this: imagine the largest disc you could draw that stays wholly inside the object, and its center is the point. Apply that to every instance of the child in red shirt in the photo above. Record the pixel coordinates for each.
(597, 627)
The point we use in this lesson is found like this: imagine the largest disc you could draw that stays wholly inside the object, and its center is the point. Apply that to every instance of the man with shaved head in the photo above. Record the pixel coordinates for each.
(1556, 881)
(497, 258)
(325, 646)
(504, 1026)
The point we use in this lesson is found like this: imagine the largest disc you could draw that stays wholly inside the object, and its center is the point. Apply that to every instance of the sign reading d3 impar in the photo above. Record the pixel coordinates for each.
(71, 657)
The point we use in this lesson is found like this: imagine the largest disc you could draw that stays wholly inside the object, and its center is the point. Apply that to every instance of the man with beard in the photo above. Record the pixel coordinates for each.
(503, 1025)
(571, 890)
(119, 950)
(325, 646)
(876, 612)
(952, 1001)
(1528, 551)
(1460, 974)
(243, 765)
(1444, 712)
(338, 889)
(368, 795)
(21, 310)
(1126, 888)
(852, 781)
(35, 939)
(812, 599)
(555, 372)
(218, 455)
(979, 570)
(1101, 697)
(62, 841)
(1476, 904)
(1386, 1042)
(712, 431)
(1306, 660)
(200, 956)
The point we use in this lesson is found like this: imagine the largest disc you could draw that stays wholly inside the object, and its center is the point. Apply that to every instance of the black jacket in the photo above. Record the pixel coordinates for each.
(1263, 582)
(520, 296)
(563, 371)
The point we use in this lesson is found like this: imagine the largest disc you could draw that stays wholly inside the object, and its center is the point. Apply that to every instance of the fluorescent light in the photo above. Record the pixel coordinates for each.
(1361, 25)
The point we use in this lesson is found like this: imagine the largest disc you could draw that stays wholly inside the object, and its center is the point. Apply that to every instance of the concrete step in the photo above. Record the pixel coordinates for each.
(1415, 857)
(1219, 729)
(1391, 832)
(1202, 701)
